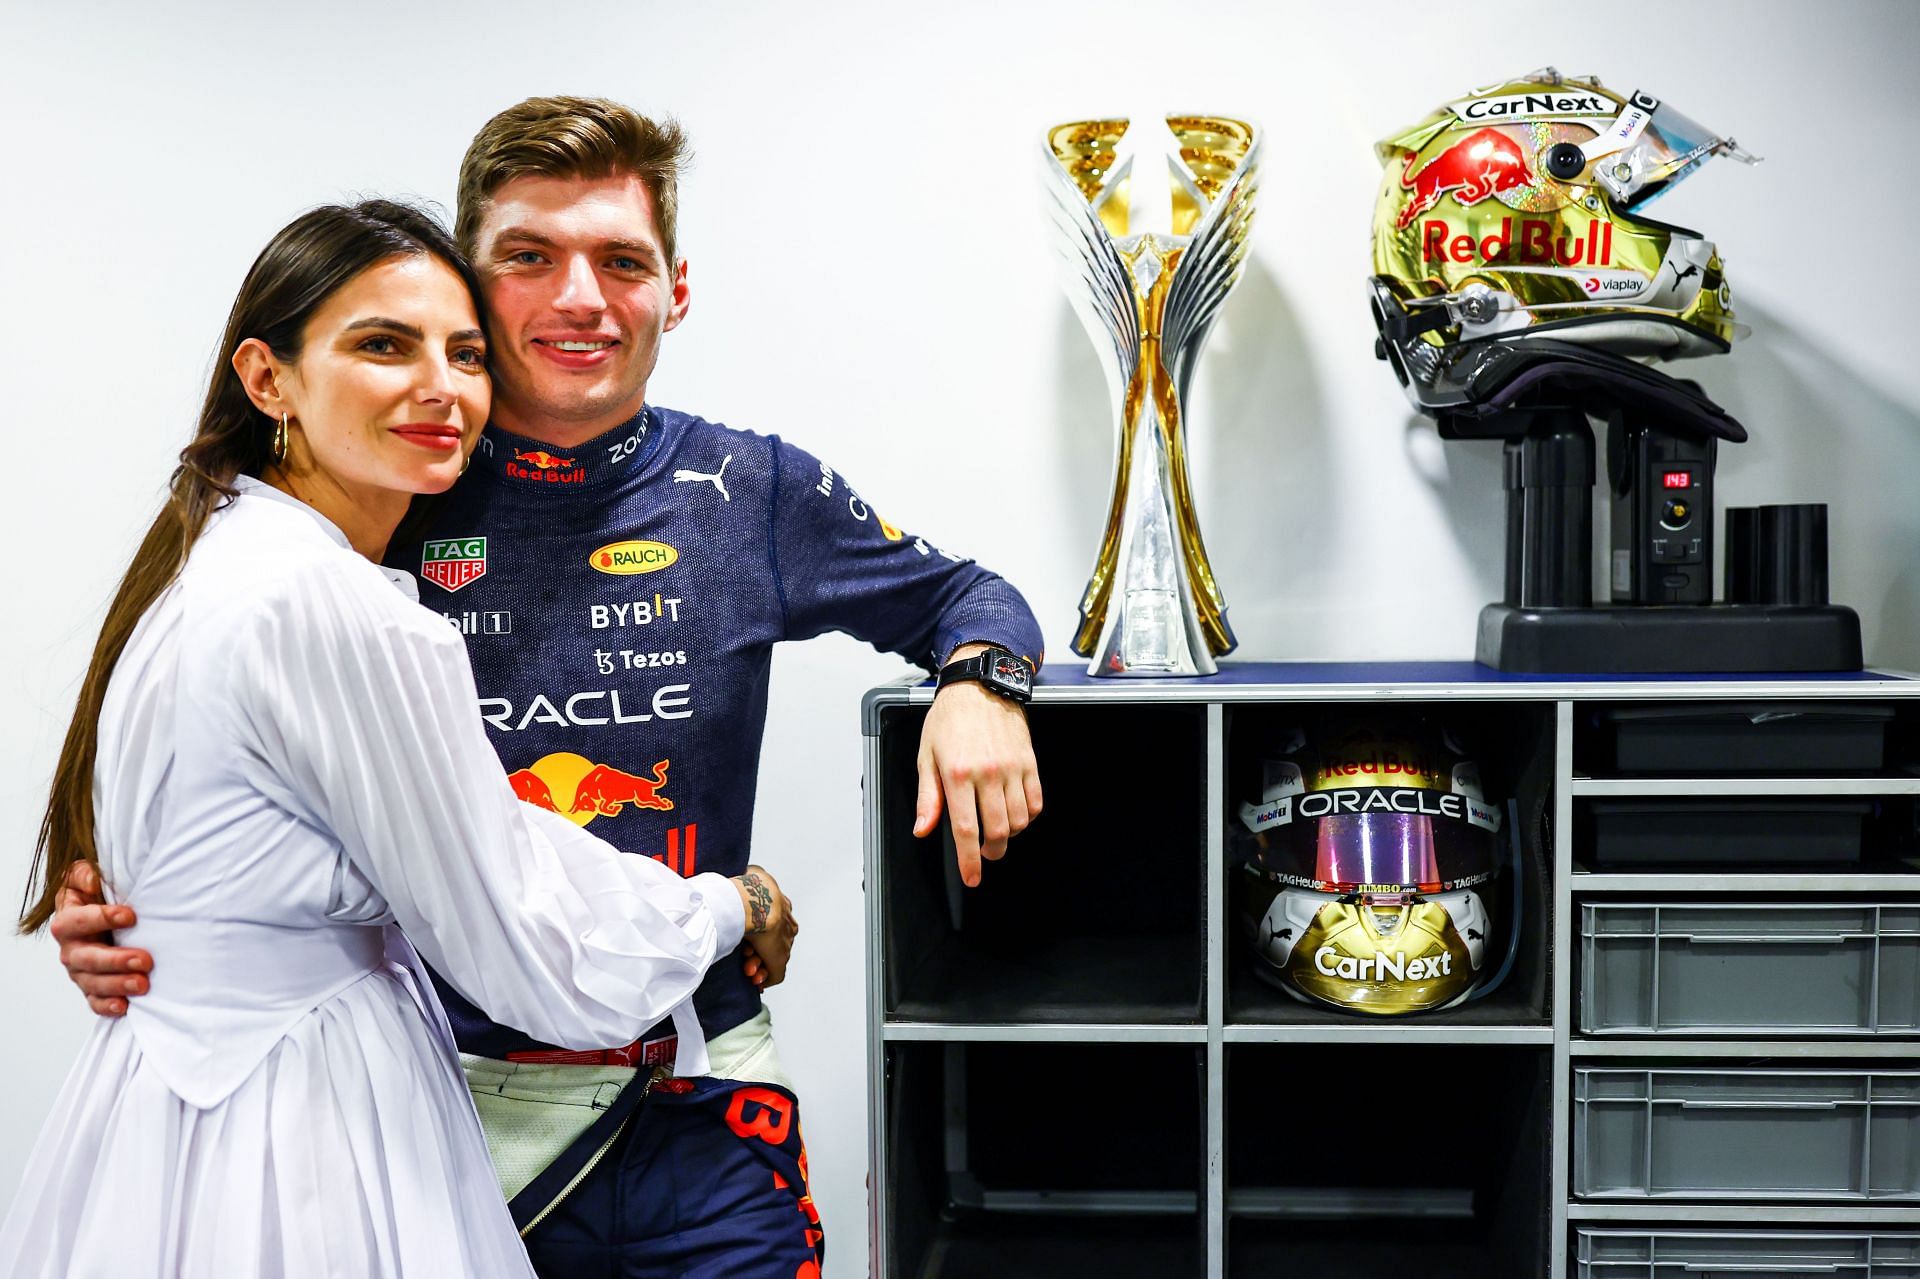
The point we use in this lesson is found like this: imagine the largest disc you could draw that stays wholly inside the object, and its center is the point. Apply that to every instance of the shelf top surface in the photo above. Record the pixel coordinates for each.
(1356, 681)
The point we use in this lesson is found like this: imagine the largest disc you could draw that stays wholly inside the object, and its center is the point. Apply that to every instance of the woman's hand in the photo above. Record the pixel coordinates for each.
(83, 925)
(771, 926)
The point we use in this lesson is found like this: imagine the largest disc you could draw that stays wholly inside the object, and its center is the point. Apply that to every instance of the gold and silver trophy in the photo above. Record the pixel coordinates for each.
(1149, 262)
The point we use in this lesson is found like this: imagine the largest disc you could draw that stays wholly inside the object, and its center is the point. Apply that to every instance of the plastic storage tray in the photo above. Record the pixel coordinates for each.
(1677, 1254)
(1739, 833)
(1747, 737)
(1683, 968)
(1746, 1134)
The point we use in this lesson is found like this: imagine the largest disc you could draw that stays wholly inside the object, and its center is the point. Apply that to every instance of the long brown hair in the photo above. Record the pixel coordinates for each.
(310, 260)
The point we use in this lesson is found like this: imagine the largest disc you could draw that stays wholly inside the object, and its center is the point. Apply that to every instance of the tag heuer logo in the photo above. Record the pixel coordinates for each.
(454, 562)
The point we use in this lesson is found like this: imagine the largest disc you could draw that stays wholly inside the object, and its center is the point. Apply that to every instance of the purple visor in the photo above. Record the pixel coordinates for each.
(1381, 838)
(1382, 848)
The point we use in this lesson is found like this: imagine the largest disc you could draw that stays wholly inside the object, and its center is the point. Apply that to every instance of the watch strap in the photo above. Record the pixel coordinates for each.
(980, 666)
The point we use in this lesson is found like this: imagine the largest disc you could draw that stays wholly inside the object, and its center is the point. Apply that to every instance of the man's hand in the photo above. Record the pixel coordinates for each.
(771, 926)
(83, 925)
(976, 759)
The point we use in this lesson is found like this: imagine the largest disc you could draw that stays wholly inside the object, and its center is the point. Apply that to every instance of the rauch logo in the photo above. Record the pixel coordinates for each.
(628, 558)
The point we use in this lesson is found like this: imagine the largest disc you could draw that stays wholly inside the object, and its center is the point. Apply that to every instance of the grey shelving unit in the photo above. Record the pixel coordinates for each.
(1071, 1069)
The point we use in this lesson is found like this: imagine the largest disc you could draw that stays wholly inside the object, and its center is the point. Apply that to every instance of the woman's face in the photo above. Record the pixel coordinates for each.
(391, 385)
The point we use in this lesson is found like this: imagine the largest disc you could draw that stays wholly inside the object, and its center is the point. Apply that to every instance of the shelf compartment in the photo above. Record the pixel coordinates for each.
(1816, 1216)
(1387, 1030)
(1731, 738)
(1426, 1247)
(1732, 832)
(1095, 914)
(1252, 1002)
(1513, 744)
(1022, 1160)
(1786, 832)
(1609, 787)
(1798, 883)
(1043, 1248)
(1749, 968)
(1669, 1254)
(993, 977)
(1768, 1051)
(1340, 1162)
(1652, 1133)
(1041, 1033)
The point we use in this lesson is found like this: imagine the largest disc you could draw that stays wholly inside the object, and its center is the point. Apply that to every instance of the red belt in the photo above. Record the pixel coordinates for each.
(641, 1052)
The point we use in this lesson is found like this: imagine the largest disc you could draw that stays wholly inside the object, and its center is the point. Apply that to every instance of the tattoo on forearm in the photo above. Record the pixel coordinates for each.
(759, 902)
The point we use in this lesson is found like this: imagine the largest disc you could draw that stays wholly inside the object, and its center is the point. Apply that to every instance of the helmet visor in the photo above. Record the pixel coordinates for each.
(1650, 148)
(1375, 848)
(1378, 839)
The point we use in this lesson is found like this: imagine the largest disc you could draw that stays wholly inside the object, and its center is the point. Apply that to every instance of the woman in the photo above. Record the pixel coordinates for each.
(278, 752)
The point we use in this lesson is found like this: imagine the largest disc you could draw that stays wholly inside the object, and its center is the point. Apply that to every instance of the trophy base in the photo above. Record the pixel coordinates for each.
(1147, 634)
(1669, 639)
(1106, 670)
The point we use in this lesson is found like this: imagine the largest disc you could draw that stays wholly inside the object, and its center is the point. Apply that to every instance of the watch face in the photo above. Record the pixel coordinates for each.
(1010, 672)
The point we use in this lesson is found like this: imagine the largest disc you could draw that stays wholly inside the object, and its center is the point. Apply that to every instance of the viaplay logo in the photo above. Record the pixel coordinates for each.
(453, 562)
(1614, 284)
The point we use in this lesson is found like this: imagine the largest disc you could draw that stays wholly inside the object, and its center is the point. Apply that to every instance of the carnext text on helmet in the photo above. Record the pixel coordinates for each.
(1537, 244)
(1382, 966)
(1529, 105)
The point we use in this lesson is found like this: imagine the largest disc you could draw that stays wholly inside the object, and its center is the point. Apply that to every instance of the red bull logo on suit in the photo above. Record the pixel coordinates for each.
(548, 468)
(580, 790)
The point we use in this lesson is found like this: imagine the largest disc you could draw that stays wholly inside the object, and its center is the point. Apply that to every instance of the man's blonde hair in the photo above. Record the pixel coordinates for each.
(565, 137)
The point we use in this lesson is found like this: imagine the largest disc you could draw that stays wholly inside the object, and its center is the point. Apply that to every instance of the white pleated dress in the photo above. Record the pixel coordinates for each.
(291, 763)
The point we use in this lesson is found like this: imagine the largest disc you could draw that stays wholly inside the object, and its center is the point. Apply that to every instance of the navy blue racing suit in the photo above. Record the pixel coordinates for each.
(620, 601)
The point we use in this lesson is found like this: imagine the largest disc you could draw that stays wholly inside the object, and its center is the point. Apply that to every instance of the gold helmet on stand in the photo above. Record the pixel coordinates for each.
(1518, 211)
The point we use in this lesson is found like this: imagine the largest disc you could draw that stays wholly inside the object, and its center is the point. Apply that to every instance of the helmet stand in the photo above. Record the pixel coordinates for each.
(1539, 399)
(1548, 476)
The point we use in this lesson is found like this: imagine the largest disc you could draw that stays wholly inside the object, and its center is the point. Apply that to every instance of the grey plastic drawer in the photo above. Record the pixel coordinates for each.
(1692, 967)
(1746, 1134)
(1710, 1254)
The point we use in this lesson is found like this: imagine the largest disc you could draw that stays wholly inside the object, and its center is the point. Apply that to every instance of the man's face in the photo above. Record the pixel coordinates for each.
(579, 292)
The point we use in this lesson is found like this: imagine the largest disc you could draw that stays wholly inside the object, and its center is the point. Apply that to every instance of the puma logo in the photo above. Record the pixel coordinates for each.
(683, 475)
(1679, 275)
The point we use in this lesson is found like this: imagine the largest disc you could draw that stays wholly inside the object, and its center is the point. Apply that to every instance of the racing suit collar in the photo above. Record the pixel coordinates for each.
(529, 464)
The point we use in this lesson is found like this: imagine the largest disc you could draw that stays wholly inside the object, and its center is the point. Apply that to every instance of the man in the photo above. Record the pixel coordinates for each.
(621, 571)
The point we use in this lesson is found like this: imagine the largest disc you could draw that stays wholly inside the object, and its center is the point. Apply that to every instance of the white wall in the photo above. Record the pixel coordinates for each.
(871, 280)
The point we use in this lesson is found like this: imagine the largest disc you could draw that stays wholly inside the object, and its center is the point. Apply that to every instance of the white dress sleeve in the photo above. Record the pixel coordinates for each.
(361, 705)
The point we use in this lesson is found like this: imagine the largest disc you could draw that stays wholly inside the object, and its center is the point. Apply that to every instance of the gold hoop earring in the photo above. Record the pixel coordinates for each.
(280, 440)
(466, 461)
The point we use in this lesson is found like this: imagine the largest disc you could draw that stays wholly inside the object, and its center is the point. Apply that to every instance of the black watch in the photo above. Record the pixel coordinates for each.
(1006, 673)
